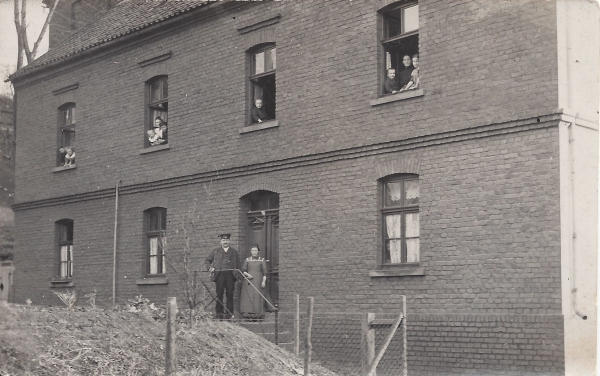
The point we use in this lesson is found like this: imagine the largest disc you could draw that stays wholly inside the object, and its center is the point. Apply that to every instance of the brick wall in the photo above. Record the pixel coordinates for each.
(323, 99)
(483, 140)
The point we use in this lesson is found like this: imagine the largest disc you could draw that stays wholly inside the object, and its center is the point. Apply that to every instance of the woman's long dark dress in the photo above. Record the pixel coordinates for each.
(251, 303)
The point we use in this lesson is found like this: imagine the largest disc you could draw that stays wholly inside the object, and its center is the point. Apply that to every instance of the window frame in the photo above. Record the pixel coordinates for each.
(65, 124)
(154, 106)
(402, 209)
(252, 78)
(160, 235)
(64, 228)
(385, 41)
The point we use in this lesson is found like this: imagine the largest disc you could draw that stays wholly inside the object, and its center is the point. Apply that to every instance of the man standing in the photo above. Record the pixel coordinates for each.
(220, 263)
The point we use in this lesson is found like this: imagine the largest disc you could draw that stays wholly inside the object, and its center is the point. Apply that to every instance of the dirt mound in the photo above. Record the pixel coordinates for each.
(91, 341)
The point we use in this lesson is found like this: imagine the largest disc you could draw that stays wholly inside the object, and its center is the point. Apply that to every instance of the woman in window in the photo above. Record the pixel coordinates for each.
(405, 74)
(254, 292)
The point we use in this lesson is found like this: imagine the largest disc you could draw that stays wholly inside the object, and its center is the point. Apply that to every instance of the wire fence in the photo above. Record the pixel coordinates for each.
(340, 341)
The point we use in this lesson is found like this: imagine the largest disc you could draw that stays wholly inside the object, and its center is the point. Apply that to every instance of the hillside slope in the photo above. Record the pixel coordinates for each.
(91, 341)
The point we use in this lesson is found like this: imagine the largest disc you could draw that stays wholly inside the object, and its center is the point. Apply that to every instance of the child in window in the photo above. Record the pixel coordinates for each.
(69, 157)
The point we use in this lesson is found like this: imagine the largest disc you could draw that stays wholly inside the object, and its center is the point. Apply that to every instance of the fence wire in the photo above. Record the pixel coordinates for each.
(337, 340)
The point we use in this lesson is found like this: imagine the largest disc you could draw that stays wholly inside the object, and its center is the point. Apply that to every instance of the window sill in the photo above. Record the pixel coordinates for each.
(153, 281)
(398, 97)
(61, 283)
(401, 271)
(152, 149)
(259, 126)
(64, 168)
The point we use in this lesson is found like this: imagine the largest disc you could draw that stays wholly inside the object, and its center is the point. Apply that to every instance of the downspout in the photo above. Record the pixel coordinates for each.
(114, 286)
(573, 233)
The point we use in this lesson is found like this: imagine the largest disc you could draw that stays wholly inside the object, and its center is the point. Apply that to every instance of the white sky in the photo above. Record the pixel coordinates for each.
(36, 15)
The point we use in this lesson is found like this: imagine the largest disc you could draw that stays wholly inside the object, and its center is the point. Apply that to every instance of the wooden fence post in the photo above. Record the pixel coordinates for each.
(368, 341)
(404, 339)
(170, 361)
(307, 356)
(297, 326)
(384, 346)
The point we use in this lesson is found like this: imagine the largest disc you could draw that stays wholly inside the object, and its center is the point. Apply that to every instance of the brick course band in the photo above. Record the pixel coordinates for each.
(545, 121)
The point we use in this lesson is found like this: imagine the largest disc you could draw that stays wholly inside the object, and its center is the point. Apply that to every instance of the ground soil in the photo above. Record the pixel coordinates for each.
(53, 341)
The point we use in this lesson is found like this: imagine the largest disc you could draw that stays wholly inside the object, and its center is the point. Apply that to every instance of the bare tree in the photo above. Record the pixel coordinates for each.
(180, 256)
(21, 25)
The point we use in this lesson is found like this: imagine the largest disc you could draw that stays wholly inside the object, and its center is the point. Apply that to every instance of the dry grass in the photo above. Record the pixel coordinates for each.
(91, 341)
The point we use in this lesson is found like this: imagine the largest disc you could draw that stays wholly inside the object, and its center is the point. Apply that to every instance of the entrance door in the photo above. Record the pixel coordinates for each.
(6, 270)
(263, 229)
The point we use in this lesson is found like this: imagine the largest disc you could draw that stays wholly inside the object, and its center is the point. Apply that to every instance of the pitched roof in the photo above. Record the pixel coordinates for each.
(125, 18)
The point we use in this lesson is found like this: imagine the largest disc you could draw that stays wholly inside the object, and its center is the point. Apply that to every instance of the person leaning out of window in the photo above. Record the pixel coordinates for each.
(414, 75)
(391, 85)
(258, 112)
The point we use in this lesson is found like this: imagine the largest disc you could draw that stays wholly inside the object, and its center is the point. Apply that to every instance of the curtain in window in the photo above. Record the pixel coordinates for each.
(153, 255)
(393, 224)
(66, 258)
(412, 237)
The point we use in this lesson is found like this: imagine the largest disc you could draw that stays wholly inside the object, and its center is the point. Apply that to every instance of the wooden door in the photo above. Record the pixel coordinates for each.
(263, 229)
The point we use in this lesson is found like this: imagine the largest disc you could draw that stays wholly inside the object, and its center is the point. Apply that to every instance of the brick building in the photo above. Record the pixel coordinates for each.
(473, 193)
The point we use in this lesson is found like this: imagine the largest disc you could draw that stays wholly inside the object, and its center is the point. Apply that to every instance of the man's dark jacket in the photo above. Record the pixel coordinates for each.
(215, 259)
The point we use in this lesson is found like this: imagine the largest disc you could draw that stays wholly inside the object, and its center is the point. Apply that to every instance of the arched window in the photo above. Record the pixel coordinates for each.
(157, 104)
(155, 223)
(400, 43)
(64, 240)
(66, 135)
(400, 219)
(263, 63)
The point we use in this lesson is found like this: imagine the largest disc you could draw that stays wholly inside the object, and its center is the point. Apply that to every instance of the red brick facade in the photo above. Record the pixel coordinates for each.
(482, 137)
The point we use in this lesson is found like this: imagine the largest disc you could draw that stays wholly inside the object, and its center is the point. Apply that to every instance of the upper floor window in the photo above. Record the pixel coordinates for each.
(66, 136)
(400, 42)
(156, 225)
(157, 100)
(64, 230)
(400, 219)
(262, 84)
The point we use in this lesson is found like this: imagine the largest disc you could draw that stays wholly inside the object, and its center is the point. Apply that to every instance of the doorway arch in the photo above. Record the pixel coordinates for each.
(261, 216)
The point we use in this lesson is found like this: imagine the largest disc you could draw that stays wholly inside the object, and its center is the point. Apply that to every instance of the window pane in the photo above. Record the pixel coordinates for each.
(394, 251)
(412, 225)
(393, 226)
(165, 89)
(412, 237)
(259, 63)
(153, 244)
(163, 219)
(392, 23)
(163, 264)
(411, 192)
(270, 60)
(153, 220)
(411, 19)
(412, 250)
(72, 115)
(155, 90)
(393, 194)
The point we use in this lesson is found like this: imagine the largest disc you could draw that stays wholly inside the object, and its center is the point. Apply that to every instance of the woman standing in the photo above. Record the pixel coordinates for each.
(254, 290)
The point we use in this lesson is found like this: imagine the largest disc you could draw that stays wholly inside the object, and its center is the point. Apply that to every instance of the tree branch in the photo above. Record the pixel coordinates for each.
(19, 36)
(46, 23)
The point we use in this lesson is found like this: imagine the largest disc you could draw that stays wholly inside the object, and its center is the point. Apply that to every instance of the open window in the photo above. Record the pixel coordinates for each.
(400, 220)
(155, 227)
(64, 235)
(65, 155)
(262, 97)
(157, 111)
(400, 43)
